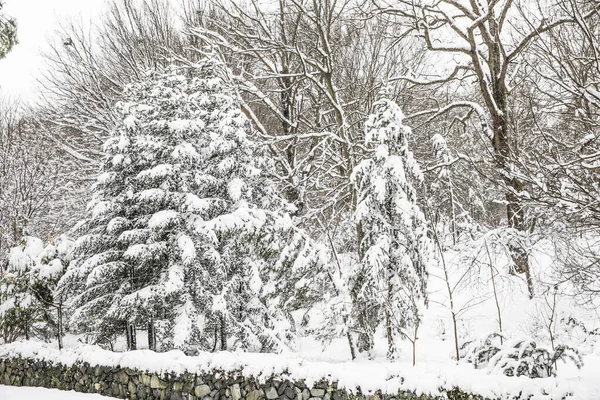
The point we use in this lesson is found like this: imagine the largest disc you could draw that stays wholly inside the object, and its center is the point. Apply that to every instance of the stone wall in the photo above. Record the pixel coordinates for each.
(128, 383)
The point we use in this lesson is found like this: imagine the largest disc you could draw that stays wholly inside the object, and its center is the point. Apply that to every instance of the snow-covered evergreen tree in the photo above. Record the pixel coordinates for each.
(186, 232)
(45, 275)
(27, 301)
(18, 308)
(394, 250)
(8, 33)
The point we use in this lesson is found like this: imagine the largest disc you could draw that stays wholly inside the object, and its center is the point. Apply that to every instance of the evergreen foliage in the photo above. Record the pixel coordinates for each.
(479, 352)
(27, 298)
(524, 357)
(186, 232)
(518, 357)
(19, 310)
(390, 280)
(8, 33)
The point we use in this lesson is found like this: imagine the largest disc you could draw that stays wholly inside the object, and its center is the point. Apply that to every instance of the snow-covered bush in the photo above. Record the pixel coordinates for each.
(518, 357)
(524, 357)
(186, 235)
(479, 352)
(577, 330)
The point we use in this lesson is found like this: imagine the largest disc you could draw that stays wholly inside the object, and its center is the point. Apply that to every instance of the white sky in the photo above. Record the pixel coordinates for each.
(37, 20)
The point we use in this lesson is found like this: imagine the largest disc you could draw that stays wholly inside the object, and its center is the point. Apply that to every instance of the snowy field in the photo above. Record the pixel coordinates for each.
(27, 393)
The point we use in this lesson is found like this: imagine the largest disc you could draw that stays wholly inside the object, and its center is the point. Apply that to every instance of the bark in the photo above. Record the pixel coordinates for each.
(151, 336)
(216, 338)
(496, 98)
(391, 352)
(351, 345)
(223, 332)
(390, 336)
(59, 334)
(130, 332)
(515, 209)
(364, 342)
(414, 343)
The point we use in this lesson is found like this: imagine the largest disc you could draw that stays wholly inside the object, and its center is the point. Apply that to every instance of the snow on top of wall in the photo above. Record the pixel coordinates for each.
(370, 376)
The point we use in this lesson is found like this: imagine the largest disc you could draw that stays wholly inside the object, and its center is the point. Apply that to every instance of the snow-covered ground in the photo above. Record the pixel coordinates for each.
(479, 314)
(371, 375)
(32, 393)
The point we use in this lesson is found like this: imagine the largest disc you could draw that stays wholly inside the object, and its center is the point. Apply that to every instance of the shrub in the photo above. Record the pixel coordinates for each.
(479, 352)
(518, 357)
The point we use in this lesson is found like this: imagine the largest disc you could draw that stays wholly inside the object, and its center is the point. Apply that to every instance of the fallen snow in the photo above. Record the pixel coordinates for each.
(369, 375)
(34, 393)
(473, 300)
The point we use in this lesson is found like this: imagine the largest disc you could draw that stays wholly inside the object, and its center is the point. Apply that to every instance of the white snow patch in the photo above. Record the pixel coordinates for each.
(370, 376)
(162, 219)
(36, 393)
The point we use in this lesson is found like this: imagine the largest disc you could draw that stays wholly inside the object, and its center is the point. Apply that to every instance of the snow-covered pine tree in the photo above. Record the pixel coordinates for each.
(185, 231)
(390, 280)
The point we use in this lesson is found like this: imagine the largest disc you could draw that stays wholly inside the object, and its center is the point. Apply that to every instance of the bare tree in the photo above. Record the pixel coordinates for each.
(563, 102)
(89, 67)
(32, 180)
(485, 41)
(309, 72)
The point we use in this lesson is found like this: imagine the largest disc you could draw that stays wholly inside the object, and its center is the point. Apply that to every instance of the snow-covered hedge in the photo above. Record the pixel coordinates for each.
(146, 374)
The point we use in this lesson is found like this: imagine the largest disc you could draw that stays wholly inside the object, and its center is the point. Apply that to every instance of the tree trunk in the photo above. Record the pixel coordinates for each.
(351, 345)
(495, 94)
(223, 332)
(151, 336)
(515, 210)
(455, 331)
(364, 342)
(59, 325)
(131, 337)
(216, 338)
(391, 352)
